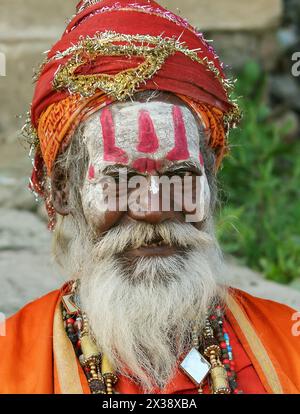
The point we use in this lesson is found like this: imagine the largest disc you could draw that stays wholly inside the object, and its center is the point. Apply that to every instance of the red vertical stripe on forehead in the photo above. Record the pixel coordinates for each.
(180, 151)
(111, 151)
(148, 141)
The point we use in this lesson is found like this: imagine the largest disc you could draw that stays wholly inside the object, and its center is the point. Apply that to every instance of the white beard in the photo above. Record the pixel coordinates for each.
(142, 313)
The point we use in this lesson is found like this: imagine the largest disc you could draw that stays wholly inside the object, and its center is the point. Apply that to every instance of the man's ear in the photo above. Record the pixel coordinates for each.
(60, 191)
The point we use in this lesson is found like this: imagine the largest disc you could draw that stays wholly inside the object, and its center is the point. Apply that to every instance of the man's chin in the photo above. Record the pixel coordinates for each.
(152, 268)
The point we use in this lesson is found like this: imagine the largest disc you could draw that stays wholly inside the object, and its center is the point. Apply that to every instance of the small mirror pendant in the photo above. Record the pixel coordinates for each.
(195, 366)
(69, 304)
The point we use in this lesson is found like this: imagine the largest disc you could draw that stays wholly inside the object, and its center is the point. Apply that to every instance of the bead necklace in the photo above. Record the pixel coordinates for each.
(226, 349)
(97, 369)
(215, 347)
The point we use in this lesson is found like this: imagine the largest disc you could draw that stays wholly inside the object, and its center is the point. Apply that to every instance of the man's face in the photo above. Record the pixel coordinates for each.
(143, 140)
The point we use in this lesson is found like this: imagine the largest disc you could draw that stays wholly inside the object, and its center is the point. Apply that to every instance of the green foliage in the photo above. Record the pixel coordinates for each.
(259, 219)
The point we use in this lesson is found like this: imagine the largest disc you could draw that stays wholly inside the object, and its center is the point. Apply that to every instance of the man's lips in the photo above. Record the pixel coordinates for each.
(153, 249)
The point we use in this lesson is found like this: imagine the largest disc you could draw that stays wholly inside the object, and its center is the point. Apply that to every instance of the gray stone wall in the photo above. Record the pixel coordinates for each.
(27, 29)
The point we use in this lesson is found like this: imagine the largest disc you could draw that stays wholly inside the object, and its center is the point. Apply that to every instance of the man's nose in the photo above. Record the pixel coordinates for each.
(149, 206)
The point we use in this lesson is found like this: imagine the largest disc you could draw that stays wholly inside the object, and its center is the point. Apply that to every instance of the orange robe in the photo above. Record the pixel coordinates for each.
(36, 356)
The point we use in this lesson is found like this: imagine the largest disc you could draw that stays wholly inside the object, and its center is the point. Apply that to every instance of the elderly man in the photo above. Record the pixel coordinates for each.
(129, 119)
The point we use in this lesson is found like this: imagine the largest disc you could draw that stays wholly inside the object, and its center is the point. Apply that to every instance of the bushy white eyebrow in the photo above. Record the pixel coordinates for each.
(183, 165)
(178, 166)
(115, 169)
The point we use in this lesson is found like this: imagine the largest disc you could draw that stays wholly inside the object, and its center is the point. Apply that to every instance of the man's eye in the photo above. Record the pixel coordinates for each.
(132, 175)
(187, 173)
(179, 173)
(122, 177)
(111, 176)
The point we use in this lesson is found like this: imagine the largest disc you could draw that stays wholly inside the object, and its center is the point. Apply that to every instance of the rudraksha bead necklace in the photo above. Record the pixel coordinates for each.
(211, 355)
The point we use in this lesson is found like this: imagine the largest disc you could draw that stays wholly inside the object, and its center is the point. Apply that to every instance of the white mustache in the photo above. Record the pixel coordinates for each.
(135, 235)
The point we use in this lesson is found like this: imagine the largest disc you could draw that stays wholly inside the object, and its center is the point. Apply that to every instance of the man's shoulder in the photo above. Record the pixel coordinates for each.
(44, 305)
(32, 322)
(274, 322)
(272, 331)
(29, 340)
(261, 305)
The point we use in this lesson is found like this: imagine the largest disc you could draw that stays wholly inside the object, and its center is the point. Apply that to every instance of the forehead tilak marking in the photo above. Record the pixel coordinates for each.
(142, 134)
(148, 140)
(180, 151)
(111, 151)
(129, 129)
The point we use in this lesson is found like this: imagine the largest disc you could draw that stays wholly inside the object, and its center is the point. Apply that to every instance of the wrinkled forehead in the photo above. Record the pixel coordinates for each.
(140, 134)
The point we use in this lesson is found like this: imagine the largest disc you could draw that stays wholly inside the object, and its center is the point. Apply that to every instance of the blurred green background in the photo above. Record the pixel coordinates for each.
(259, 218)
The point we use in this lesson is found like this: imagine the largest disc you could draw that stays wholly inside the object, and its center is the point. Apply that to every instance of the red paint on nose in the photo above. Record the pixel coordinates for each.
(144, 165)
(111, 151)
(148, 141)
(180, 151)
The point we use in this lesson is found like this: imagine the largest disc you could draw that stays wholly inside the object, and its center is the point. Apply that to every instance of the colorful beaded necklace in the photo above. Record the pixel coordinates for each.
(215, 346)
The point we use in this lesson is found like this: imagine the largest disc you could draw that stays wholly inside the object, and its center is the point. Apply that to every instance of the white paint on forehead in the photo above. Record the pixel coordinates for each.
(126, 126)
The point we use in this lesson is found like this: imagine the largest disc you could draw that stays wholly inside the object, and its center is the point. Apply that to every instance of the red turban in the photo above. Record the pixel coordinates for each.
(109, 51)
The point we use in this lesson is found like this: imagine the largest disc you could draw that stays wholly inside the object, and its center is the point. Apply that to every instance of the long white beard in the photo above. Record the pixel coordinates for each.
(142, 313)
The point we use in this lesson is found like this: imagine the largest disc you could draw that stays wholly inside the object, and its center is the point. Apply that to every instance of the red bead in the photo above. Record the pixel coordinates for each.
(70, 321)
(226, 361)
(213, 318)
(78, 344)
(223, 345)
(232, 364)
(236, 391)
(229, 374)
